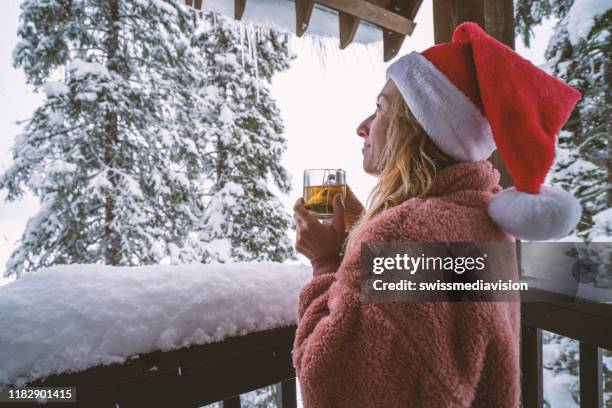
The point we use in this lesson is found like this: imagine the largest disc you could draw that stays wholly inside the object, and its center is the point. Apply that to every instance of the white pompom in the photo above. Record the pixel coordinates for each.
(549, 215)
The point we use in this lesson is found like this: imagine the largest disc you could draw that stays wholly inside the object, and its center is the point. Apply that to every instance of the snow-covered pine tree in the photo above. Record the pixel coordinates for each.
(243, 220)
(580, 52)
(113, 153)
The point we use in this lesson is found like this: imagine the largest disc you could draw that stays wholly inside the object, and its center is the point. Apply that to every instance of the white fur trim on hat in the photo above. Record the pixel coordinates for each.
(550, 214)
(450, 118)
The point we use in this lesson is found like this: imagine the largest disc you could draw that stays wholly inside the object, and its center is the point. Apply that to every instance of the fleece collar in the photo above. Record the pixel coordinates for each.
(479, 176)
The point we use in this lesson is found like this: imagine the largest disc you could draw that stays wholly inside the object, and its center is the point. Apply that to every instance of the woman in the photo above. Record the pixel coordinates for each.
(427, 143)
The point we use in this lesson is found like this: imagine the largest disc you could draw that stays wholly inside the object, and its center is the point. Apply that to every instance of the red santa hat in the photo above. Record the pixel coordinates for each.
(475, 94)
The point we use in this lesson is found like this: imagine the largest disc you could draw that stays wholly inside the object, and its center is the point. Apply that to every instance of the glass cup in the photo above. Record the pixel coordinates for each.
(320, 187)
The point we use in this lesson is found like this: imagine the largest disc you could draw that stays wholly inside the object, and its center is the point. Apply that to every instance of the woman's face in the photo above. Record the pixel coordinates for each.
(373, 129)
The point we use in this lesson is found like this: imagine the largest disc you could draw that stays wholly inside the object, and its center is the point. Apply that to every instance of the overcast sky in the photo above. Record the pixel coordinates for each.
(322, 98)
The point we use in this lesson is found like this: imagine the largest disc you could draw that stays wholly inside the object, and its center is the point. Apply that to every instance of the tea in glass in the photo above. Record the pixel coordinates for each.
(320, 188)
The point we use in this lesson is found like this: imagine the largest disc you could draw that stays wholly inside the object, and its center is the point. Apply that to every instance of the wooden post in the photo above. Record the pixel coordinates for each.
(531, 367)
(448, 14)
(591, 376)
(499, 23)
(497, 19)
(286, 394)
(442, 10)
(233, 402)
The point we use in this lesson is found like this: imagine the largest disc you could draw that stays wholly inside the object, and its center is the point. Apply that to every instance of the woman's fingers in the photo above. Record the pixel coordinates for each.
(338, 212)
(314, 238)
(303, 215)
(298, 222)
(352, 202)
(354, 209)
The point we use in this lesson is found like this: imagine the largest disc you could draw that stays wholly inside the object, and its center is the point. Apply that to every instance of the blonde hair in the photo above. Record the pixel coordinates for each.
(409, 164)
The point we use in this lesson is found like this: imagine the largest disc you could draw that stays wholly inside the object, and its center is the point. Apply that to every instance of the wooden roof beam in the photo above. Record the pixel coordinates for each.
(392, 41)
(239, 9)
(348, 28)
(196, 4)
(373, 13)
(303, 11)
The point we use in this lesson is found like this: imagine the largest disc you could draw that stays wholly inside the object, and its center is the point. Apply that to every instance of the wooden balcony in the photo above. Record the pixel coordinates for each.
(200, 375)
(588, 322)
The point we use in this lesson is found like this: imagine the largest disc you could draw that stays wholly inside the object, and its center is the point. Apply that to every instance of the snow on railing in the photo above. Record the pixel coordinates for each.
(73, 317)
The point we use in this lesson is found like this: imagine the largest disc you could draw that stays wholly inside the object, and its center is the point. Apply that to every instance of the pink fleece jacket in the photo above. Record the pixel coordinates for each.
(410, 354)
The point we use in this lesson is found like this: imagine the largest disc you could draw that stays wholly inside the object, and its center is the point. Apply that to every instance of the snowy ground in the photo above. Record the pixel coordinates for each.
(69, 318)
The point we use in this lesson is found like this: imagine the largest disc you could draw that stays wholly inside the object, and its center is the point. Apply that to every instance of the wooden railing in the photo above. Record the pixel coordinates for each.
(190, 377)
(200, 375)
(588, 322)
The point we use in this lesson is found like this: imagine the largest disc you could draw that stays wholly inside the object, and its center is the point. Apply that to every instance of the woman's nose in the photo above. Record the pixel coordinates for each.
(362, 132)
(364, 127)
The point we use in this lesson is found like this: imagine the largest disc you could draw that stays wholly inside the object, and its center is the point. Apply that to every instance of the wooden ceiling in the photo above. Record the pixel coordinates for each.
(395, 18)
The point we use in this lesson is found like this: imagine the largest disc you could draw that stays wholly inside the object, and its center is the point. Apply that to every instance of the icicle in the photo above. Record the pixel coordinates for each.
(242, 44)
(318, 44)
(373, 51)
(256, 57)
(251, 41)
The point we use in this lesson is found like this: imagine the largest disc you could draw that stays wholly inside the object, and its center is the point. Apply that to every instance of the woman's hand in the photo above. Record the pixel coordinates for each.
(315, 239)
(353, 211)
